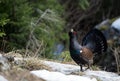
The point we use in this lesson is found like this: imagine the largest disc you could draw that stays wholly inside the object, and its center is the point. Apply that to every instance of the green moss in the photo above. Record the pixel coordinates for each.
(104, 27)
(66, 56)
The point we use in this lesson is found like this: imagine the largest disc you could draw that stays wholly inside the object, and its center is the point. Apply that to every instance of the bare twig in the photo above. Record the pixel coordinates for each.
(36, 53)
(33, 42)
(117, 58)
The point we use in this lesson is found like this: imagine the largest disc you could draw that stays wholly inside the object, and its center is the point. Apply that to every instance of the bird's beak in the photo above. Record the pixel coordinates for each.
(72, 30)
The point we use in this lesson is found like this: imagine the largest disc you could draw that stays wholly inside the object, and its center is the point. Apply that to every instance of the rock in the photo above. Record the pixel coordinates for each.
(4, 63)
(14, 54)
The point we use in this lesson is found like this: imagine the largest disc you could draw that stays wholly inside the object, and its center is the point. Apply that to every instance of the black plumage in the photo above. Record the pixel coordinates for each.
(94, 42)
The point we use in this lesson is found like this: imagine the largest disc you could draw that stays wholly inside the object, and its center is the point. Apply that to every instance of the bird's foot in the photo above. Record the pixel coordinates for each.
(82, 70)
(87, 68)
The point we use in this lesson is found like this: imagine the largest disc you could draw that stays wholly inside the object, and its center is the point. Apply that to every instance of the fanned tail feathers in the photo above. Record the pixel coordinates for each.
(96, 40)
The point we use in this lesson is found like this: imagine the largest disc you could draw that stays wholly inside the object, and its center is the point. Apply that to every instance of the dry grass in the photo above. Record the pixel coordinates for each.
(116, 52)
(95, 68)
(78, 73)
(33, 64)
(20, 69)
(97, 78)
(72, 62)
(14, 54)
(30, 63)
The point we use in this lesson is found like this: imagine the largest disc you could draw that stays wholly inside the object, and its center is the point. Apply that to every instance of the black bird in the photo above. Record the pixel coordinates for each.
(93, 43)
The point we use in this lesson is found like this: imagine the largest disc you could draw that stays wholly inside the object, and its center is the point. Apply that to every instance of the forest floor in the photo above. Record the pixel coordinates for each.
(34, 69)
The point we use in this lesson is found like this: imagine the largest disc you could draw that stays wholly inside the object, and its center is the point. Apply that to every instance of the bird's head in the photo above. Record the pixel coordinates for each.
(72, 33)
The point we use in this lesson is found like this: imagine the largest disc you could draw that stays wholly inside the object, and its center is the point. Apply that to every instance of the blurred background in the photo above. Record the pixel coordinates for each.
(40, 28)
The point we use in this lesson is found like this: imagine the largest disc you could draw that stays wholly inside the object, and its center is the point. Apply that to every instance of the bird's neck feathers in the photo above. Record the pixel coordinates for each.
(74, 45)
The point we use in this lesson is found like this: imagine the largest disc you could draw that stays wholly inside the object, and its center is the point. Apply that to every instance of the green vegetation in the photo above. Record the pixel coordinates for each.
(32, 26)
(23, 22)
(66, 56)
(84, 4)
(35, 26)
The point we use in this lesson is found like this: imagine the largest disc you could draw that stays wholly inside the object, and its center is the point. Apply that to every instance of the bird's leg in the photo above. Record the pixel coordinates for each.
(88, 66)
(81, 69)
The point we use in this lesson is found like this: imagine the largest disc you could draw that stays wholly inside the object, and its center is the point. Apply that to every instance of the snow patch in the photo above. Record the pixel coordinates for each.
(103, 76)
(116, 24)
(63, 68)
(57, 76)
(69, 69)
(2, 78)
